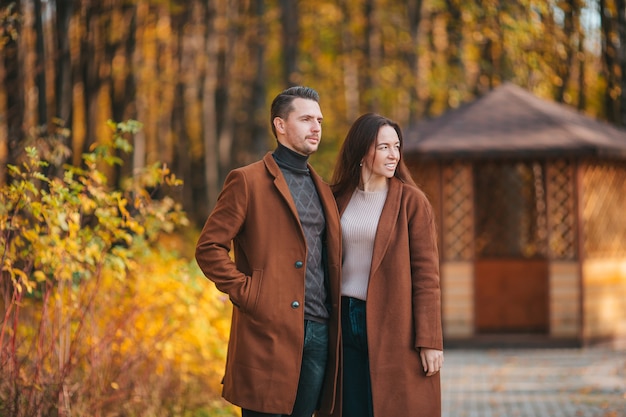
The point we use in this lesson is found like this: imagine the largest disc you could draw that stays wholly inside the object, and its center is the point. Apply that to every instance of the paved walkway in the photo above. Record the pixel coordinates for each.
(534, 383)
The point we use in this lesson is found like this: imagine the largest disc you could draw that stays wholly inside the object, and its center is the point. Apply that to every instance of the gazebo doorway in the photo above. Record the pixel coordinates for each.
(511, 268)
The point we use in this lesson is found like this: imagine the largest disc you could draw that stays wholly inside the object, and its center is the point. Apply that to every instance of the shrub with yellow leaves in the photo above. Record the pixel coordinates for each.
(98, 317)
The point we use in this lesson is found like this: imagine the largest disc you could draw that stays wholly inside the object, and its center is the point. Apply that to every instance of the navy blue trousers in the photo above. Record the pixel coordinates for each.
(357, 384)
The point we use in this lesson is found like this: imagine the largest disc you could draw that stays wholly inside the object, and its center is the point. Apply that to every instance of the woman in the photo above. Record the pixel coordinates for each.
(391, 315)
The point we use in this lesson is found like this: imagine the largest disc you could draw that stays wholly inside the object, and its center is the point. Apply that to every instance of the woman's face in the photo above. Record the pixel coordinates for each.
(382, 159)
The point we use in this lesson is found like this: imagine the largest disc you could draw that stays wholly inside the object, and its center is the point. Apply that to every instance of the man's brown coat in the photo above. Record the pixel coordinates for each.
(265, 283)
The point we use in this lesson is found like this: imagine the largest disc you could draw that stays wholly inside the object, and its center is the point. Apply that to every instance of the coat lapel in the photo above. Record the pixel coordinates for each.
(280, 183)
(387, 223)
(325, 195)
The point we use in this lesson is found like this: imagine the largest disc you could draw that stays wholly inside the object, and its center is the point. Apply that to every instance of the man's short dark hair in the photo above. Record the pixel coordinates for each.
(281, 106)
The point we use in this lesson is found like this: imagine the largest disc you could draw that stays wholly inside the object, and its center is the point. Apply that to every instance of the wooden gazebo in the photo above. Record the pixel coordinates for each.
(531, 204)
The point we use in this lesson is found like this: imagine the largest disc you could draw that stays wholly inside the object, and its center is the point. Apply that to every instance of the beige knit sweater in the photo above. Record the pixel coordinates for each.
(359, 222)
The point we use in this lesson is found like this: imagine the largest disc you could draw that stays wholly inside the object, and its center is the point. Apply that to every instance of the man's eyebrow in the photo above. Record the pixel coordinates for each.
(310, 116)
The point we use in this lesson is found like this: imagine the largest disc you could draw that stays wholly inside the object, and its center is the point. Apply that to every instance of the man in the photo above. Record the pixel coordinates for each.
(284, 281)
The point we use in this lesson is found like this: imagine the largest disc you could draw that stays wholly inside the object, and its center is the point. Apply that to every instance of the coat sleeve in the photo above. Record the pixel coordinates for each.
(214, 244)
(425, 273)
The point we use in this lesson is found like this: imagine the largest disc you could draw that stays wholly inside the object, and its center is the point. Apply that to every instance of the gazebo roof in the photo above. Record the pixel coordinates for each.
(511, 122)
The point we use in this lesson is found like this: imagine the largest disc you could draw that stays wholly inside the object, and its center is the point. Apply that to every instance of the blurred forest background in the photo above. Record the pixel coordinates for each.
(120, 119)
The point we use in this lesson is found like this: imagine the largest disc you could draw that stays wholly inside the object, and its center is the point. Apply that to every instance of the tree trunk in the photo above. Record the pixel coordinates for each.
(582, 98)
(373, 55)
(571, 31)
(291, 34)
(40, 66)
(350, 65)
(427, 100)
(4, 126)
(139, 61)
(14, 53)
(63, 74)
(260, 114)
(165, 91)
(621, 26)
(226, 84)
(414, 13)
(611, 63)
(456, 78)
(92, 46)
(12, 91)
(122, 79)
(491, 56)
(209, 111)
(182, 162)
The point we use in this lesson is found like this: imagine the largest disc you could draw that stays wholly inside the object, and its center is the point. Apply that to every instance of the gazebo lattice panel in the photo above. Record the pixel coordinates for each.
(458, 215)
(426, 176)
(562, 219)
(511, 217)
(603, 208)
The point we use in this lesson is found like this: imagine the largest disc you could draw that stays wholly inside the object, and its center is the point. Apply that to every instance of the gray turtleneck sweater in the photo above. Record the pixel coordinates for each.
(294, 168)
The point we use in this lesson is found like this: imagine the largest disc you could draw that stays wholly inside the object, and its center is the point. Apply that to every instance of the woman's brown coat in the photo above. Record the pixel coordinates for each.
(403, 309)
(266, 285)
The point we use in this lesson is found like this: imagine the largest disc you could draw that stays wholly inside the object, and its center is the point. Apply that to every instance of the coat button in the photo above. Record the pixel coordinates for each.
(299, 264)
(295, 304)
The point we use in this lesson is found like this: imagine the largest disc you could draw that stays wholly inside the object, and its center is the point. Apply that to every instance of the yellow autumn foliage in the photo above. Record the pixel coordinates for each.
(101, 313)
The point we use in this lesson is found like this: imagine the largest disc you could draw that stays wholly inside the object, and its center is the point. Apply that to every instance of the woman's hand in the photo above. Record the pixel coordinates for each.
(432, 360)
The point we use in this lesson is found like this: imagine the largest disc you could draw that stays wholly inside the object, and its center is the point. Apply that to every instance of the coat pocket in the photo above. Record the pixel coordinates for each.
(256, 280)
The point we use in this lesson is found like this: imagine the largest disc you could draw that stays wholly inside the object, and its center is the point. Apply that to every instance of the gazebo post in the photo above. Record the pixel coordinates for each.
(580, 239)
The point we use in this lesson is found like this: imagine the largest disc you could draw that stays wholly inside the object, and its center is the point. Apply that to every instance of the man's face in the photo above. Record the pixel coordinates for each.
(302, 130)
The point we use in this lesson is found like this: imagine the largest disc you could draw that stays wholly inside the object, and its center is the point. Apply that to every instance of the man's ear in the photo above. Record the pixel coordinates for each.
(279, 124)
